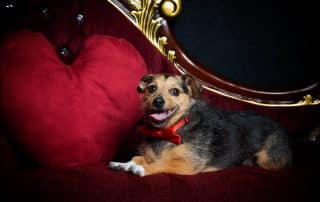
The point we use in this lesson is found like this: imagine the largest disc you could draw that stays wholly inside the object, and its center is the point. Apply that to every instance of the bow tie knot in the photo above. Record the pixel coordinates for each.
(170, 134)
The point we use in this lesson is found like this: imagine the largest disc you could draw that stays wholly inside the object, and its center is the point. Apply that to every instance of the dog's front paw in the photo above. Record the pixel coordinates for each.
(128, 166)
(121, 166)
(138, 170)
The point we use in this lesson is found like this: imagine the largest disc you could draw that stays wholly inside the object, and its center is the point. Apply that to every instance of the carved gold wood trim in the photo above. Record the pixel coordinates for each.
(143, 17)
(171, 8)
(146, 18)
(144, 14)
(308, 100)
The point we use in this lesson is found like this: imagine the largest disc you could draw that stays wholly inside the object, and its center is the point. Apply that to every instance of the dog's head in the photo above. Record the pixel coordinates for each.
(167, 98)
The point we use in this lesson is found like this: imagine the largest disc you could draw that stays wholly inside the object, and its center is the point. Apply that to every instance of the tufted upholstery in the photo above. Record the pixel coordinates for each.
(67, 24)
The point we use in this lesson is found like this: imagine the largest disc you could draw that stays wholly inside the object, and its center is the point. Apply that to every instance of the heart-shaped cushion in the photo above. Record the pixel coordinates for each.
(69, 115)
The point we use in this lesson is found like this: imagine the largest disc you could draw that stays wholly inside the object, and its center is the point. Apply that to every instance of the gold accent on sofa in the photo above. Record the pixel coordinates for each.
(145, 16)
(171, 8)
(309, 100)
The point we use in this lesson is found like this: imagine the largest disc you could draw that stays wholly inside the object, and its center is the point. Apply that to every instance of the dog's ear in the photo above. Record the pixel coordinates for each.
(144, 81)
(192, 85)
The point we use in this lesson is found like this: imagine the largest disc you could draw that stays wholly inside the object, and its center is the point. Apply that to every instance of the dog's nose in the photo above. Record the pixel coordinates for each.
(158, 102)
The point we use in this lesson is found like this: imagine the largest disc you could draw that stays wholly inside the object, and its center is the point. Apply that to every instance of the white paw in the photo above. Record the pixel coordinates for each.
(128, 166)
(121, 166)
(138, 170)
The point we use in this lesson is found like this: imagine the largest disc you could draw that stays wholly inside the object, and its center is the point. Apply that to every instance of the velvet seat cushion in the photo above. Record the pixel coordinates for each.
(68, 115)
(96, 183)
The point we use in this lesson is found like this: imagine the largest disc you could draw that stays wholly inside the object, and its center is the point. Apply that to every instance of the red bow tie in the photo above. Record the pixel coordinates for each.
(170, 134)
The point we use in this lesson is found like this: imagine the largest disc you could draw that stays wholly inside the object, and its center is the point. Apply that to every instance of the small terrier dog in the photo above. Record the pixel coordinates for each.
(186, 136)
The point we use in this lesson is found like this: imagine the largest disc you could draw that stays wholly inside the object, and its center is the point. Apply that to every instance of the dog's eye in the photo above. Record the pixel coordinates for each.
(175, 91)
(152, 88)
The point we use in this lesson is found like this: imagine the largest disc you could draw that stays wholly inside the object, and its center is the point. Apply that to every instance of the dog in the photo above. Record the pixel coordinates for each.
(187, 136)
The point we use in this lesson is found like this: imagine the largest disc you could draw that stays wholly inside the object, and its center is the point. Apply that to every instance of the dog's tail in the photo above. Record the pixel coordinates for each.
(276, 153)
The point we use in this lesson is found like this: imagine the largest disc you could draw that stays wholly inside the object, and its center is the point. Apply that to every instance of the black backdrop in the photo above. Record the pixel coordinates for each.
(265, 44)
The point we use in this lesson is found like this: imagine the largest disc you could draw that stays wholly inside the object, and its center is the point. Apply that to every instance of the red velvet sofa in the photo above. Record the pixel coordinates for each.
(68, 105)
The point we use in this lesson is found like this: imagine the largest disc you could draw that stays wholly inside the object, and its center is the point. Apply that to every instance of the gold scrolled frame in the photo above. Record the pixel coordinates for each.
(144, 15)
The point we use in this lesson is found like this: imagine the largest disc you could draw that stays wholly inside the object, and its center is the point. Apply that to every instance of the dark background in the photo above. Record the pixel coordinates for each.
(265, 44)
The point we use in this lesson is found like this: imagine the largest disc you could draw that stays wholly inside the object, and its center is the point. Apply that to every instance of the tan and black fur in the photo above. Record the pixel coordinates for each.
(212, 140)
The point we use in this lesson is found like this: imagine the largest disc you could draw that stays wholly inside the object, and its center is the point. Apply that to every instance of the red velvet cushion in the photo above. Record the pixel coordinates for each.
(98, 184)
(66, 116)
